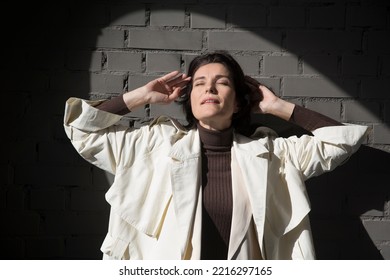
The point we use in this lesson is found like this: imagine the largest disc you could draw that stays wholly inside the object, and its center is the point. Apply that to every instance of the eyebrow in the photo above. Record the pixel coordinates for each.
(215, 78)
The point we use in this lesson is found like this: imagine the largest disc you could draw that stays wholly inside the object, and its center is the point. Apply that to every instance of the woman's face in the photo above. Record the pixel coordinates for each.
(213, 98)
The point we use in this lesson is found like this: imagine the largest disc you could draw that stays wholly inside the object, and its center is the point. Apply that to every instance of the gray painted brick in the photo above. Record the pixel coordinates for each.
(52, 175)
(170, 1)
(175, 40)
(272, 83)
(208, 16)
(359, 65)
(46, 199)
(53, 59)
(84, 38)
(60, 223)
(124, 61)
(381, 134)
(13, 247)
(330, 109)
(386, 65)
(387, 112)
(133, 14)
(320, 17)
(80, 247)
(101, 180)
(20, 223)
(84, 60)
(287, 17)
(319, 87)
(167, 15)
(59, 63)
(31, 131)
(156, 62)
(247, 16)
(45, 248)
(72, 223)
(88, 15)
(280, 65)
(355, 202)
(88, 200)
(376, 42)
(13, 83)
(15, 199)
(320, 64)
(138, 81)
(366, 16)
(70, 82)
(318, 40)
(377, 230)
(385, 251)
(22, 58)
(3, 198)
(78, 81)
(245, 40)
(173, 110)
(361, 111)
(375, 88)
(110, 38)
(65, 152)
(23, 151)
(249, 64)
(14, 98)
(187, 60)
(327, 210)
(107, 83)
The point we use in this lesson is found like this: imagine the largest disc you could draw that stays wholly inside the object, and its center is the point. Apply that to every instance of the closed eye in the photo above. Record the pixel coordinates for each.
(223, 82)
(198, 84)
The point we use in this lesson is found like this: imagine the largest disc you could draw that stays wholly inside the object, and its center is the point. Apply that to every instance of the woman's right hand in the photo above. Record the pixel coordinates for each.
(163, 90)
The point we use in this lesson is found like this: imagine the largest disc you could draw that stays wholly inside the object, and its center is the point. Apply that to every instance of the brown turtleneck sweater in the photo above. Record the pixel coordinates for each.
(217, 195)
(216, 176)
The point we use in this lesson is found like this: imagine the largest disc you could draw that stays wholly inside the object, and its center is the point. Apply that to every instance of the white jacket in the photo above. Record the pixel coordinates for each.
(156, 195)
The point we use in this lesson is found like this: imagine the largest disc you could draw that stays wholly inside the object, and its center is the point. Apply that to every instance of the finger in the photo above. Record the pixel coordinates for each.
(168, 77)
(183, 83)
(178, 79)
(175, 94)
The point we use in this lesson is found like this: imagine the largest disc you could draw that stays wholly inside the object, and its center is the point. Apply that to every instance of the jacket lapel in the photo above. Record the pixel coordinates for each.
(185, 170)
(249, 183)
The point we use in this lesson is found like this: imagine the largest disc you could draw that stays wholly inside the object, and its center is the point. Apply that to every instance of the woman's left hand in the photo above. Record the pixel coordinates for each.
(262, 99)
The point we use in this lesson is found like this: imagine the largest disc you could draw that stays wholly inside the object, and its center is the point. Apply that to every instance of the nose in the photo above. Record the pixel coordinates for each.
(210, 88)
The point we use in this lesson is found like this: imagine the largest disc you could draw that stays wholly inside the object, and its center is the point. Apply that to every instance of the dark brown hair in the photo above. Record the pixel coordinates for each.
(241, 119)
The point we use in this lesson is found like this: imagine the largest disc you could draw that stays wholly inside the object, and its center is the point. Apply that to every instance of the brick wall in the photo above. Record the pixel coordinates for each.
(330, 56)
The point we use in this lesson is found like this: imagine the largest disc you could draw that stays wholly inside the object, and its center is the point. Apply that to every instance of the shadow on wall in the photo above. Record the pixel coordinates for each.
(54, 197)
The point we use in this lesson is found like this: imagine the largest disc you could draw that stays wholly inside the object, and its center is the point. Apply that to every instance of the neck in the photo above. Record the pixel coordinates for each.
(214, 125)
(216, 140)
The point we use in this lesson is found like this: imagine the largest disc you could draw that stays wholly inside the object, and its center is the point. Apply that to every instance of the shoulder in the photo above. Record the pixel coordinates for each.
(167, 128)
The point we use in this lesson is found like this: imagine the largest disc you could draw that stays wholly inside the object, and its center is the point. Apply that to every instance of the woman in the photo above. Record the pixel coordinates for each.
(207, 191)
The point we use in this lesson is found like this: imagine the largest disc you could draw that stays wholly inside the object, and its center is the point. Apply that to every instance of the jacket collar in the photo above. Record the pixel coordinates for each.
(251, 156)
(248, 146)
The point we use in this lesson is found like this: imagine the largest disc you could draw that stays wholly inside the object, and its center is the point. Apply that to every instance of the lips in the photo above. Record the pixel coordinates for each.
(210, 101)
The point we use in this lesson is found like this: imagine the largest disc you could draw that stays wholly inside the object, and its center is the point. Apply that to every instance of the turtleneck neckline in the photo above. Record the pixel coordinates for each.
(216, 140)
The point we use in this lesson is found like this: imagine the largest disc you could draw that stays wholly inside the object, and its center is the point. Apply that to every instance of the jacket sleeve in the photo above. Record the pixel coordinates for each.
(328, 148)
(99, 140)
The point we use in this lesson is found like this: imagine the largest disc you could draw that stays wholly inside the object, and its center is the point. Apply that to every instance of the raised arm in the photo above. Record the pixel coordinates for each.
(163, 90)
(266, 102)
